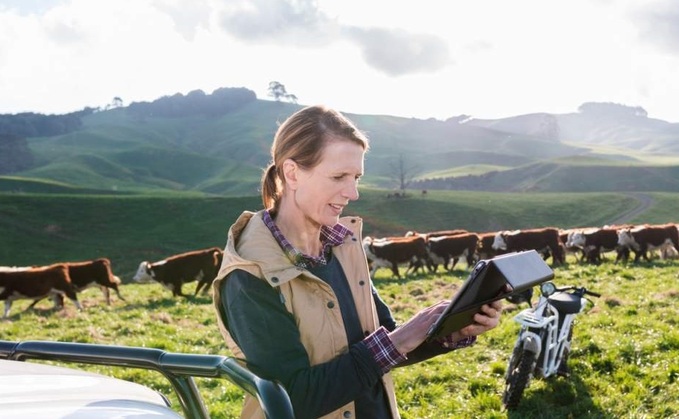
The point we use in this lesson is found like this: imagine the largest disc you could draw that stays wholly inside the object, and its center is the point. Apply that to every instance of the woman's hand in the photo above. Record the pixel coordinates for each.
(412, 333)
(488, 318)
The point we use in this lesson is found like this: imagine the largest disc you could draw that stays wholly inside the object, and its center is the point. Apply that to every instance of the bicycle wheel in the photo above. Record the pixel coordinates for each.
(519, 372)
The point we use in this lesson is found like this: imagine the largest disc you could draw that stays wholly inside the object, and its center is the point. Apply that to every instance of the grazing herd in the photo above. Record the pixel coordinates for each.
(416, 250)
(445, 248)
(67, 279)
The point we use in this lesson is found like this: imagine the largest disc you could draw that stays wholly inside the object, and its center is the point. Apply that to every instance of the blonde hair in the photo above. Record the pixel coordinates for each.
(303, 137)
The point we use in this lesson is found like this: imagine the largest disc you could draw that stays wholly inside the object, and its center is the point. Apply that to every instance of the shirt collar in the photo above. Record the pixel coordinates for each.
(330, 236)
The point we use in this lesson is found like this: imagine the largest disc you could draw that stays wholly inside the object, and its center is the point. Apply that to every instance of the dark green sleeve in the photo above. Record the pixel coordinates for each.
(268, 336)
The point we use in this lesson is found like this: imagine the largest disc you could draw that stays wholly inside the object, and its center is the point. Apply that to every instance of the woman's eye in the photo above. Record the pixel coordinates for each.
(340, 178)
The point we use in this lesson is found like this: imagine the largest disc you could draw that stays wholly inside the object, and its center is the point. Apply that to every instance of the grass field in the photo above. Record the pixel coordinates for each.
(39, 229)
(623, 357)
(624, 351)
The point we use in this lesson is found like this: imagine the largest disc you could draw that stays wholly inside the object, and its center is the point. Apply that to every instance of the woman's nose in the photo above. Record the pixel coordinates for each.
(351, 192)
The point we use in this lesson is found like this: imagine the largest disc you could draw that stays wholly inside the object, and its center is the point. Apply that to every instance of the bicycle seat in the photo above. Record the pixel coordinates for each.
(566, 303)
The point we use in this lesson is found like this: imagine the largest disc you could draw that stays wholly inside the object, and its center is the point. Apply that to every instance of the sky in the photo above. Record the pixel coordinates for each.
(424, 59)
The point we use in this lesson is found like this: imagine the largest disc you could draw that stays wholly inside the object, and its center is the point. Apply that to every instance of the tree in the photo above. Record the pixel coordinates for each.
(403, 174)
(278, 92)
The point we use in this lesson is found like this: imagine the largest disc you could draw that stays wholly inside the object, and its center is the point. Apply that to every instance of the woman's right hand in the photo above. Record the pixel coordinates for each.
(412, 333)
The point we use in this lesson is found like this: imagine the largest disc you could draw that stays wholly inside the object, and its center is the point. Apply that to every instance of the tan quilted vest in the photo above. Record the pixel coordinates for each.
(251, 247)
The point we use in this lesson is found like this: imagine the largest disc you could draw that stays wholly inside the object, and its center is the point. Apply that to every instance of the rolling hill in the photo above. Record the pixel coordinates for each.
(603, 147)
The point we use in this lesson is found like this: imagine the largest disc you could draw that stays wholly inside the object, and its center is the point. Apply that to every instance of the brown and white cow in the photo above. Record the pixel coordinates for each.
(389, 252)
(15, 268)
(438, 233)
(565, 237)
(91, 273)
(542, 240)
(173, 272)
(444, 249)
(645, 238)
(36, 284)
(485, 250)
(595, 242)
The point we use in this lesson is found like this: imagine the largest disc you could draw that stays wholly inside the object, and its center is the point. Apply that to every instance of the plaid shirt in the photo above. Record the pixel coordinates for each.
(387, 356)
(385, 353)
(330, 237)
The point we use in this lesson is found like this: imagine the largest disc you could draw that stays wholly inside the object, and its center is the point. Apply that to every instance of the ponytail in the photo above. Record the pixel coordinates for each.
(270, 193)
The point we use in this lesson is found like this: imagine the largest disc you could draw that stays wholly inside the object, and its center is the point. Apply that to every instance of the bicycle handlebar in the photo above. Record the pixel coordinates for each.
(581, 290)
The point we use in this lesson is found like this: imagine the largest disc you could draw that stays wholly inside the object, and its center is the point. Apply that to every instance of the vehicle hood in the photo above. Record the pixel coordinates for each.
(33, 390)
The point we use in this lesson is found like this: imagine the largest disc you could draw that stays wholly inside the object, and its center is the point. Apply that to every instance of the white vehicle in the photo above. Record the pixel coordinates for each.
(541, 349)
(37, 390)
(33, 390)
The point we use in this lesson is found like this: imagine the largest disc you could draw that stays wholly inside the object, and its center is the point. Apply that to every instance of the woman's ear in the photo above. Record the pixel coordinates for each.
(290, 172)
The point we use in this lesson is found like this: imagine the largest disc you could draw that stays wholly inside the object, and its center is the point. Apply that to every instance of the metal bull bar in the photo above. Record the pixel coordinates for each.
(178, 368)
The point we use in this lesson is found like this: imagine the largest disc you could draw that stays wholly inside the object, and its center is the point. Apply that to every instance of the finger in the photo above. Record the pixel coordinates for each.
(490, 311)
(497, 305)
(486, 321)
(482, 319)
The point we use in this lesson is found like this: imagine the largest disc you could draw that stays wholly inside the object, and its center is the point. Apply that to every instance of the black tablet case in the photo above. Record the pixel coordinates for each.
(486, 283)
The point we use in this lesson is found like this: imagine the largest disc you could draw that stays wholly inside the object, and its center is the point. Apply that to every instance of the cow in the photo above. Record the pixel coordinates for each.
(565, 237)
(389, 252)
(485, 249)
(438, 233)
(36, 284)
(443, 249)
(91, 273)
(668, 251)
(645, 238)
(594, 242)
(15, 268)
(541, 240)
(174, 271)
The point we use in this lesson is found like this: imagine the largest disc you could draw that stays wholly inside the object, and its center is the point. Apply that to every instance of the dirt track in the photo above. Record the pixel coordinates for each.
(645, 202)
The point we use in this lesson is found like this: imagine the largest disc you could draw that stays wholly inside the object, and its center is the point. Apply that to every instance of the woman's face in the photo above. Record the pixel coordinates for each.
(322, 193)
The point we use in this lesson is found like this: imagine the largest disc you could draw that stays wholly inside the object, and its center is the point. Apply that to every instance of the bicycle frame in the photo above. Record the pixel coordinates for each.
(550, 341)
(544, 340)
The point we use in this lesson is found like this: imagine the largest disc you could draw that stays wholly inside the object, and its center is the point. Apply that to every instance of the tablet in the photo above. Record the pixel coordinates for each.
(487, 283)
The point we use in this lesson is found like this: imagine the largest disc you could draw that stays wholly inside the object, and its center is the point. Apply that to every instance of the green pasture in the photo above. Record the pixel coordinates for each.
(625, 351)
(39, 229)
(623, 357)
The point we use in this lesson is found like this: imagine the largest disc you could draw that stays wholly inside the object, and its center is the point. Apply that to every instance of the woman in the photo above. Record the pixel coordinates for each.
(294, 295)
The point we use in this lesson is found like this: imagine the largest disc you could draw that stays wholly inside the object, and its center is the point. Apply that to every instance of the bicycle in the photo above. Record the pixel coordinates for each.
(542, 347)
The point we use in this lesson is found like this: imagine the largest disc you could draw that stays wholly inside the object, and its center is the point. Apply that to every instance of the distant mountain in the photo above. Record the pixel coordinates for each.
(596, 124)
(219, 143)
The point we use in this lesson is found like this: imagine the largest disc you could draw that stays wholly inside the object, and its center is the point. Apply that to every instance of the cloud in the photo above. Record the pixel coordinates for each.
(28, 7)
(278, 22)
(658, 24)
(397, 52)
(64, 31)
(187, 16)
(285, 22)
